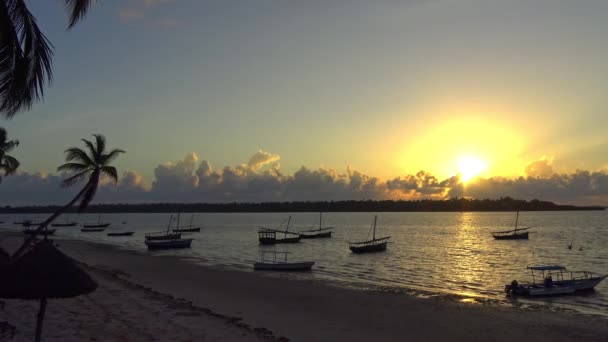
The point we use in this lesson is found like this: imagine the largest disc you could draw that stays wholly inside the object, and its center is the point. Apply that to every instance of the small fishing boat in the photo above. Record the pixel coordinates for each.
(370, 246)
(99, 224)
(513, 234)
(317, 233)
(164, 235)
(34, 231)
(276, 264)
(556, 280)
(268, 236)
(168, 244)
(187, 229)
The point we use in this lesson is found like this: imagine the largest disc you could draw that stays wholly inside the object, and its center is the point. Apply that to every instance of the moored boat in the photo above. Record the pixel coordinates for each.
(276, 264)
(168, 244)
(164, 235)
(321, 232)
(556, 280)
(99, 224)
(370, 246)
(513, 234)
(268, 236)
(187, 229)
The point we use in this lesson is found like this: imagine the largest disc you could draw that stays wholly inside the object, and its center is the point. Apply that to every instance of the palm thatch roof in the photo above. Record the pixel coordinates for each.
(44, 272)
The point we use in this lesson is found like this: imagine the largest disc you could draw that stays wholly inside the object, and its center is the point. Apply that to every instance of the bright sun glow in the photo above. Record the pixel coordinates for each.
(470, 167)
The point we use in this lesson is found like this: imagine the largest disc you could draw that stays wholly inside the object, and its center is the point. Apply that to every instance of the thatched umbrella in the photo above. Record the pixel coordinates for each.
(45, 272)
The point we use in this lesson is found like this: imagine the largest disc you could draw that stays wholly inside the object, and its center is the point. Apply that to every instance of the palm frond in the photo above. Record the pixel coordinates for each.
(3, 136)
(89, 194)
(92, 150)
(76, 154)
(78, 9)
(100, 142)
(108, 158)
(25, 68)
(111, 172)
(77, 178)
(74, 167)
(9, 165)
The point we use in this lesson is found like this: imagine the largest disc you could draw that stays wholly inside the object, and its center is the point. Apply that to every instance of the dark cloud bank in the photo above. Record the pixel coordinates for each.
(261, 180)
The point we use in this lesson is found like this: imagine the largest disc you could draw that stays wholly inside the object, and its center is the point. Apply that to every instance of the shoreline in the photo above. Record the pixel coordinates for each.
(307, 310)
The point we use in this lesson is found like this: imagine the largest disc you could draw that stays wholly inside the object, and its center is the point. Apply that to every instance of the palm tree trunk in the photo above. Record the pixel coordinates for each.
(48, 221)
(40, 319)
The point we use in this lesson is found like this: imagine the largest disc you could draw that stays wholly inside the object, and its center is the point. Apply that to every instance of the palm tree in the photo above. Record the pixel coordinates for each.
(8, 164)
(91, 163)
(26, 54)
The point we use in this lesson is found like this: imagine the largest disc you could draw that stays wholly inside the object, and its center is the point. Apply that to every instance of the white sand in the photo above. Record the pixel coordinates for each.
(131, 304)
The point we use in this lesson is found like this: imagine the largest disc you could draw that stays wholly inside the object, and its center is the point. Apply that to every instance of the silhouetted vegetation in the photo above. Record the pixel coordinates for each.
(451, 205)
(8, 164)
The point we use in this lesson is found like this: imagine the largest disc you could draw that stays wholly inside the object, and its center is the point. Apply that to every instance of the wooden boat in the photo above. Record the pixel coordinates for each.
(187, 229)
(513, 234)
(168, 244)
(120, 233)
(268, 236)
(99, 224)
(34, 231)
(317, 233)
(556, 280)
(92, 229)
(274, 264)
(370, 246)
(164, 235)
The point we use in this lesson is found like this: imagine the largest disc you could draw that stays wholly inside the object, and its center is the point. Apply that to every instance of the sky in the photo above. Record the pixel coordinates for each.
(352, 98)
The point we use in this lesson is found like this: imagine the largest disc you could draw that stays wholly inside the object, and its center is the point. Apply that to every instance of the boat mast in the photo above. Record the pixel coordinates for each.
(177, 221)
(516, 220)
(169, 225)
(374, 233)
(320, 218)
(191, 219)
(287, 228)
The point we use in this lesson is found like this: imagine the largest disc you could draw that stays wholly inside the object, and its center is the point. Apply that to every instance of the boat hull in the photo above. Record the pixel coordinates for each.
(272, 241)
(562, 287)
(188, 230)
(378, 247)
(315, 235)
(168, 244)
(121, 234)
(290, 266)
(517, 236)
(172, 236)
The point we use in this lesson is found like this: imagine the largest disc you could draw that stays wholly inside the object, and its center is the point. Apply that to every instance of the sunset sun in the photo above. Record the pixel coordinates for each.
(469, 167)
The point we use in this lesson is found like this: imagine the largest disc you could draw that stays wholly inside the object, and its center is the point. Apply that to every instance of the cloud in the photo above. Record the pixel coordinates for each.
(540, 168)
(261, 179)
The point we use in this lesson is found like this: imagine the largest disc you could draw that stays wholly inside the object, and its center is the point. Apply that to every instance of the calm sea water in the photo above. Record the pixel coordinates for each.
(430, 254)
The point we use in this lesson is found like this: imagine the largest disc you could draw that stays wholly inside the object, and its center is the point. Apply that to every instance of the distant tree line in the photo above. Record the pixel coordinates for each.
(450, 205)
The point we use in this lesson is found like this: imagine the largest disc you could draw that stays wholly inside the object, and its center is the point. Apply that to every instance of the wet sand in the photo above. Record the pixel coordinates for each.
(144, 297)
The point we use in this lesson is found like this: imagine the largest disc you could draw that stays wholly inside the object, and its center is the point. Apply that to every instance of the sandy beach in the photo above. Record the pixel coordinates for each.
(160, 298)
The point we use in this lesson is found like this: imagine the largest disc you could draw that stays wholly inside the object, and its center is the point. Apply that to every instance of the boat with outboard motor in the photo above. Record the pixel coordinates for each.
(556, 280)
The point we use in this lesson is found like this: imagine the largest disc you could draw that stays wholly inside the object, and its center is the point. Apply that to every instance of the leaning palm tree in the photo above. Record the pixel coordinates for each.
(91, 164)
(26, 54)
(8, 164)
